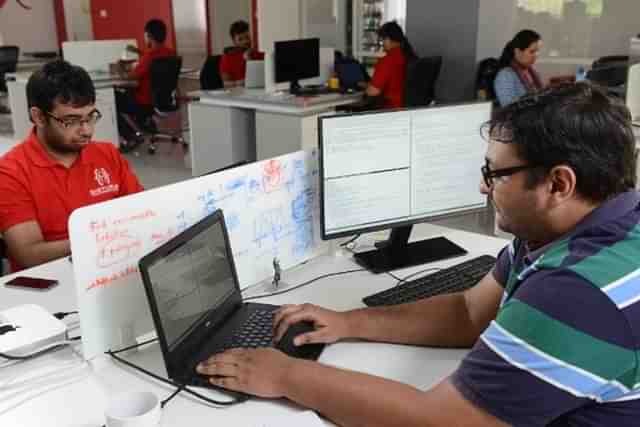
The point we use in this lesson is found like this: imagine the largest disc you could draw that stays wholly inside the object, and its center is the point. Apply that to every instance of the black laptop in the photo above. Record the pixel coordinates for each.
(197, 308)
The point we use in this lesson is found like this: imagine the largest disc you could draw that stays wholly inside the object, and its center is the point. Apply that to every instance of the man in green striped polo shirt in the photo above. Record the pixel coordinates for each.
(555, 327)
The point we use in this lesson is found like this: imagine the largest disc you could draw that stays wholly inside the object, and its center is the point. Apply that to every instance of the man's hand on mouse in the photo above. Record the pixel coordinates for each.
(261, 372)
(329, 326)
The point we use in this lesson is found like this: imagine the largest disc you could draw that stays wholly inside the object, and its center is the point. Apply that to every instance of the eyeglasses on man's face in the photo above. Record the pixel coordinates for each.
(489, 175)
(73, 123)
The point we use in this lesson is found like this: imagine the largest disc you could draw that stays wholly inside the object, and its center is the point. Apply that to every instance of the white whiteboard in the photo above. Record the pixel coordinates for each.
(271, 210)
(95, 55)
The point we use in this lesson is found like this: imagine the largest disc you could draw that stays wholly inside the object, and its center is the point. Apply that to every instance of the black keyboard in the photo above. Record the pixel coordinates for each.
(456, 278)
(256, 332)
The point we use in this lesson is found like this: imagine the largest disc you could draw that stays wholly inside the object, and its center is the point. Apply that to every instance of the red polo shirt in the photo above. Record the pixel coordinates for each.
(33, 186)
(142, 72)
(234, 64)
(389, 76)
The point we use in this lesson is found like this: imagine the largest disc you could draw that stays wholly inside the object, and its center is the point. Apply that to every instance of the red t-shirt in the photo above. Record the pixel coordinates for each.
(234, 64)
(389, 76)
(34, 187)
(142, 72)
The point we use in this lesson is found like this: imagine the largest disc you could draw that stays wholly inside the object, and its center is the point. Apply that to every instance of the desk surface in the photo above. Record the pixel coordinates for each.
(82, 403)
(278, 102)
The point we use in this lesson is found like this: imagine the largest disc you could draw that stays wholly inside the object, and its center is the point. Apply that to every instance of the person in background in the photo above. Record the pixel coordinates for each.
(233, 63)
(540, 356)
(58, 168)
(517, 76)
(138, 102)
(390, 72)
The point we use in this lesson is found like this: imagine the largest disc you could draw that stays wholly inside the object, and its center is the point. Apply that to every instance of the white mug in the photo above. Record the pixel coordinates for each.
(133, 409)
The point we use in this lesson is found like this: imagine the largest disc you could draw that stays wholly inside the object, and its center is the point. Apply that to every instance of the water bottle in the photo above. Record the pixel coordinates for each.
(581, 74)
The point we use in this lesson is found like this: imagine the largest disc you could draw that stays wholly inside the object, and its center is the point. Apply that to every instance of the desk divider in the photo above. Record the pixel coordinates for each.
(271, 210)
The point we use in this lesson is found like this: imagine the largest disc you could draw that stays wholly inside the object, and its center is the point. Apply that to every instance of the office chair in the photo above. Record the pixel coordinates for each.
(210, 74)
(485, 76)
(420, 84)
(612, 60)
(164, 84)
(8, 63)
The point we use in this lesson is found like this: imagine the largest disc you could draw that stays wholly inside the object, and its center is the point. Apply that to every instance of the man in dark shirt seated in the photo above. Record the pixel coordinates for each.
(553, 327)
(233, 64)
(58, 168)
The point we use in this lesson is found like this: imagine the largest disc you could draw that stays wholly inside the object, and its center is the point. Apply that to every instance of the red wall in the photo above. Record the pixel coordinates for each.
(125, 19)
(61, 27)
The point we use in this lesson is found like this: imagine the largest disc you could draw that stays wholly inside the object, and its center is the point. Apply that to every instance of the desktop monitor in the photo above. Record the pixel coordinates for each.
(296, 60)
(393, 169)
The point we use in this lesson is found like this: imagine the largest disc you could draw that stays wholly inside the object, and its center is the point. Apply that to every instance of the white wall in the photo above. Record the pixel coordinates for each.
(77, 16)
(278, 20)
(222, 14)
(31, 30)
(325, 19)
(190, 23)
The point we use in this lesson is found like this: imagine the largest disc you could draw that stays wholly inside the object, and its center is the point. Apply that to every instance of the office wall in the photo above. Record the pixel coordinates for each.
(125, 19)
(278, 20)
(222, 13)
(190, 22)
(31, 30)
(77, 15)
(327, 20)
(448, 28)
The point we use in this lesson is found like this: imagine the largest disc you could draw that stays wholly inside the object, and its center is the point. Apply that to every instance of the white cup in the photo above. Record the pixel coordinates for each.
(133, 409)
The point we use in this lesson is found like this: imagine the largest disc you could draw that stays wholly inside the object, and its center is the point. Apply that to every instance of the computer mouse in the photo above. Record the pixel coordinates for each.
(305, 351)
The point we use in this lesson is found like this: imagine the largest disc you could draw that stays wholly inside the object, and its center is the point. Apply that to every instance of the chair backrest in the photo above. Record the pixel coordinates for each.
(612, 60)
(8, 62)
(420, 84)
(210, 74)
(485, 76)
(164, 82)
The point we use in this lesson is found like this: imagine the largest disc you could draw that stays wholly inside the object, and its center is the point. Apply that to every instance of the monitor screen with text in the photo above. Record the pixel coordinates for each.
(387, 169)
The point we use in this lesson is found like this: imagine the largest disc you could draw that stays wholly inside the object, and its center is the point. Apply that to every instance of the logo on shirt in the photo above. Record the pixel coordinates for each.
(105, 186)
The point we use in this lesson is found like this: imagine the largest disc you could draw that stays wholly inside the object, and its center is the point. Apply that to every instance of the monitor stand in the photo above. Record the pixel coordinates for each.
(397, 253)
(294, 87)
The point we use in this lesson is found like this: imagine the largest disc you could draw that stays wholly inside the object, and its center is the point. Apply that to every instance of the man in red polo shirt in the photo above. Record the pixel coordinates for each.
(58, 168)
(139, 101)
(233, 64)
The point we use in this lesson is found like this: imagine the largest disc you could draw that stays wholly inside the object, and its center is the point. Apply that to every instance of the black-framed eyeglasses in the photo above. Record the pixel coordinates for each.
(489, 175)
(74, 123)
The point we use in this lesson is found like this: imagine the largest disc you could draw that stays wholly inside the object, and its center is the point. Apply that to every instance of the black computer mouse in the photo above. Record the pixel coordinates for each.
(305, 351)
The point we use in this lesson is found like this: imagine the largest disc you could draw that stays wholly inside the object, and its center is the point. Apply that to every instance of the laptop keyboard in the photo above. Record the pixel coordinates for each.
(256, 332)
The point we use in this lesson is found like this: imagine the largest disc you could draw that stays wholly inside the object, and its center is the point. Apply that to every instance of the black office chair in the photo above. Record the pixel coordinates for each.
(3, 255)
(164, 74)
(420, 84)
(485, 77)
(210, 74)
(8, 63)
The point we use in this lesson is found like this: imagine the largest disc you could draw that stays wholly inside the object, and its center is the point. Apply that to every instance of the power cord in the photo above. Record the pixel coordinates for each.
(293, 288)
(179, 387)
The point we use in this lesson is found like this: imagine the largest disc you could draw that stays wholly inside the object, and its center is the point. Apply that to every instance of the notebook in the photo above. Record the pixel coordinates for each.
(196, 304)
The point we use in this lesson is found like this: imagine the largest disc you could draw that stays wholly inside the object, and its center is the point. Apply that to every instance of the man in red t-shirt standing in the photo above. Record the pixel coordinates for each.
(233, 63)
(139, 102)
(58, 168)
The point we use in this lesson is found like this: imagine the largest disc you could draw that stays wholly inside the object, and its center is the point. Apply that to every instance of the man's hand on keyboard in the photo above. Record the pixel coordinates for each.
(330, 326)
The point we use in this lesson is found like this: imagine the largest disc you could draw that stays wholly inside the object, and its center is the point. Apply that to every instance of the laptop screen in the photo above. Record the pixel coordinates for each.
(191, 281)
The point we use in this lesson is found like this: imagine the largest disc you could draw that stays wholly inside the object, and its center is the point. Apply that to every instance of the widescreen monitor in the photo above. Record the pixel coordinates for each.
(393, 169)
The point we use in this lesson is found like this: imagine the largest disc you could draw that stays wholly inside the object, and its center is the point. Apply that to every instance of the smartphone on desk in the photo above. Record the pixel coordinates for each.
(31, 283)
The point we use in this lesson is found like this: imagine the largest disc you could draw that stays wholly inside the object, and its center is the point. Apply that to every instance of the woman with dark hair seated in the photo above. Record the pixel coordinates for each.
(517, 76)
(390, 72)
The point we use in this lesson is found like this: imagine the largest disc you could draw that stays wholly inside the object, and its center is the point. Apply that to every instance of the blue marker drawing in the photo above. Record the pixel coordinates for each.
(301, 206)
(254, 186)
(235, 184)
(232, 221)
(269, 225)
(303, 239)
(183, 224)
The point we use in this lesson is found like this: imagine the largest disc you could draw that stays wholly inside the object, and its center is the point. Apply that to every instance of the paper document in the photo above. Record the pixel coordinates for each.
(306, 419)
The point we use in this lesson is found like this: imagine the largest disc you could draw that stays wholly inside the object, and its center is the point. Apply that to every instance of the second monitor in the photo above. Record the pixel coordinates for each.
(399, 168)
(296, 60)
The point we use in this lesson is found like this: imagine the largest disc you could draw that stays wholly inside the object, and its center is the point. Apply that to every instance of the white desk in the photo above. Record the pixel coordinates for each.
(228, 127)
(106, 129)
(83, 403)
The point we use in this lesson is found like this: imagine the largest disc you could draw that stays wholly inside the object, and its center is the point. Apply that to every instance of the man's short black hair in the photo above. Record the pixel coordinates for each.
(59, 81)
(156, 29)
(238, 27)
(577, 125)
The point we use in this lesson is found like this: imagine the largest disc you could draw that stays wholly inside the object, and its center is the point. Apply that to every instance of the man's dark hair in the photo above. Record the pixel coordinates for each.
(576, 125)
(62, 82)
(238, 27)
(156, 29)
